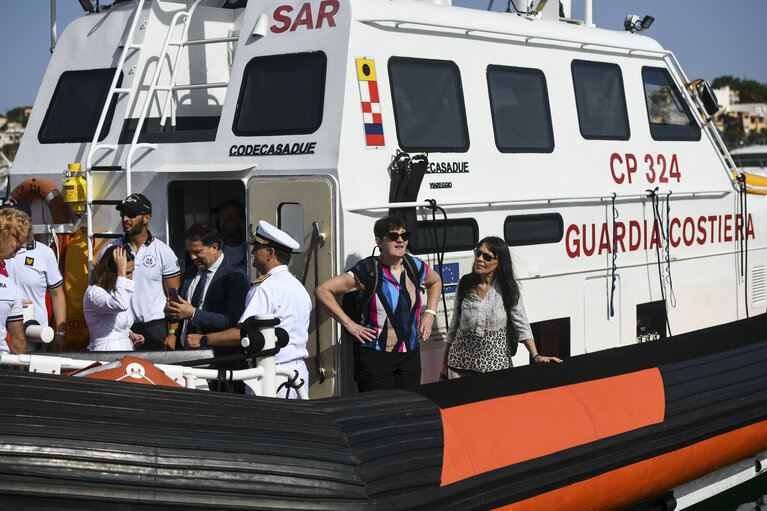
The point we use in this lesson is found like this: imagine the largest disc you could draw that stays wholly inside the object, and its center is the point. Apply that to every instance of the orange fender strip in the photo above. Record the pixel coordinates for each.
(487, 435)
(147, 374)
(641, 481)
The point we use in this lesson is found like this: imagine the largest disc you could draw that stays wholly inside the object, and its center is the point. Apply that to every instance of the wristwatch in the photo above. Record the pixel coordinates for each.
(204, 341)
(61, 333)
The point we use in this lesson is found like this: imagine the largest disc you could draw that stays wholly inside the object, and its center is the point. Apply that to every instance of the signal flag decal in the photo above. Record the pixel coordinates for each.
(371, 105)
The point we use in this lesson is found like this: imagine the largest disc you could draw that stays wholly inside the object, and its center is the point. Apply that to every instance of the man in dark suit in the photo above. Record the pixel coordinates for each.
(212, 294)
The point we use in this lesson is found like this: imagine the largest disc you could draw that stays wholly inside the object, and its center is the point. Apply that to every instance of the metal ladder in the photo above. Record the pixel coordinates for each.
(170, 89)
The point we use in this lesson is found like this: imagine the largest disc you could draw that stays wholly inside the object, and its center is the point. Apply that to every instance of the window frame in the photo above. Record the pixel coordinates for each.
(605, 65)
(557, 217)
(547, 105)
(427, 225)
(282, 132)
(105, 128)
(694, 126)
(461, 100)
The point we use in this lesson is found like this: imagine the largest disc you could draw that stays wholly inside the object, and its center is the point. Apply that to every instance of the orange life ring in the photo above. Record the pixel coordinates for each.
(40, 188)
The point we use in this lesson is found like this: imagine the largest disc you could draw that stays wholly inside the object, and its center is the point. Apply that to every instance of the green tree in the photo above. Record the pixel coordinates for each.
(757, 137)
(9, 150)
(724, 81)
(17, 115)
(752, 91)
(733, 134)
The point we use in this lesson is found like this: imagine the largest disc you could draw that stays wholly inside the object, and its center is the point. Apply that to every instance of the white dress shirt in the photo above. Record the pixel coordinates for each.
(212, 269)
(109, 316)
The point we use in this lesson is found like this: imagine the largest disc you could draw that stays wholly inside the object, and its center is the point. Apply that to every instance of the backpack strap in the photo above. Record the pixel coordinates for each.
(371, 283)
(410, 268)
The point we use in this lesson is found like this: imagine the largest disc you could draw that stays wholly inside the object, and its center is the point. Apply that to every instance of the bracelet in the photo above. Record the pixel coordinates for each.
(431, 311)
(538, 355)
(171, 331)
(61, 333)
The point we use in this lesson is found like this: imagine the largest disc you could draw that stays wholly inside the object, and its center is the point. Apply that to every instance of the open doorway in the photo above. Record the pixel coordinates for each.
(199, 201)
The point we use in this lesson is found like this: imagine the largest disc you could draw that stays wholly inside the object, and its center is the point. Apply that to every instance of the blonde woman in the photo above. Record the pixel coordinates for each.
(15, 232)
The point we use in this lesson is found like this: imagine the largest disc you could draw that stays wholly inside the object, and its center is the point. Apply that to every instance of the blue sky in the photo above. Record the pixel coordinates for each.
(708, 40)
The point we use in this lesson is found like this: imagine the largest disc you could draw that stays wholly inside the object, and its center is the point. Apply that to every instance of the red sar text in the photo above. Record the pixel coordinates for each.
(284, 20)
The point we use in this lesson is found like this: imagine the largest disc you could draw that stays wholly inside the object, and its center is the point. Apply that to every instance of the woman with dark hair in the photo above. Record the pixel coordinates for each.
(488, 304)
(106, 303)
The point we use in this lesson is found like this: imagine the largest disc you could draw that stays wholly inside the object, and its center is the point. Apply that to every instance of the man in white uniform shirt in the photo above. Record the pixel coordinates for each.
(276, 292)
(35, 270)
(156, 270)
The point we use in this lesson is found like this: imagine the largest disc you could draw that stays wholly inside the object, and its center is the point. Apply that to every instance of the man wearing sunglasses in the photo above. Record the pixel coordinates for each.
(386, 354)
(156, 269)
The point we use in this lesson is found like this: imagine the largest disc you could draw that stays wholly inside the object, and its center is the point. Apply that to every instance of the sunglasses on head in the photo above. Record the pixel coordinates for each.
(484, 255)
(394, 236)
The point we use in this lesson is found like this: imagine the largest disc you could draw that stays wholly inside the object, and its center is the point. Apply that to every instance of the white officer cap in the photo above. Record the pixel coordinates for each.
(269, 236)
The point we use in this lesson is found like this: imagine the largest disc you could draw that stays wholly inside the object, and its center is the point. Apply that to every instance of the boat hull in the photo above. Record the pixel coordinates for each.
(603, 431)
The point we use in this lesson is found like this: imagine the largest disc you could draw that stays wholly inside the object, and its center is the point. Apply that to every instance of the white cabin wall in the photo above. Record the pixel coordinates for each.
(576, 169)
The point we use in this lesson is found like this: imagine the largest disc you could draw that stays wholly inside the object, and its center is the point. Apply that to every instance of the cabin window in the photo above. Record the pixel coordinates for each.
(461, 234)
(290, 218)
(670, 118)
(281, 95)
(519, 101)
(519, 230)
(601, 100)
(74, 111)
(428, 105)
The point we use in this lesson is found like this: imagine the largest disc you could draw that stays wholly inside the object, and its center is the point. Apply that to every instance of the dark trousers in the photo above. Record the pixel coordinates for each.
(154, 333)
(384, 370)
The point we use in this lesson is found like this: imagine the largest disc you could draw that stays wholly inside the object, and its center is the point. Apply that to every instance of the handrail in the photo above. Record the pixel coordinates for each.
(555, 200)
(174, 71)
(522, 38)
(710, 129)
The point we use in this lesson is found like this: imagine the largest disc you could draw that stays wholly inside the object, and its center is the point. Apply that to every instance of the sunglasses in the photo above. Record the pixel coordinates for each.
(131, 215)
(484, 255)
(394, 236)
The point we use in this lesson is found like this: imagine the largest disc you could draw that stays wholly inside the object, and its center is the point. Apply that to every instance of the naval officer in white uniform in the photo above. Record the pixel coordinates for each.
(276, 292)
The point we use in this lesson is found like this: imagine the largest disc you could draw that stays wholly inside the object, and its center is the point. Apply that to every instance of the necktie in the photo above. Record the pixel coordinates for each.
(197, 295)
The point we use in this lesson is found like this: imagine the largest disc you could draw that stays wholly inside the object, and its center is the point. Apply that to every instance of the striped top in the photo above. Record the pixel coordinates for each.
(395, 310)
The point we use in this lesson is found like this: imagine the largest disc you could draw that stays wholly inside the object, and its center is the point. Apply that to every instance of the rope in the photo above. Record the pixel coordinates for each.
(290, 383)
(743, 237)
(441, 254)
(672, 296)
(657, 228)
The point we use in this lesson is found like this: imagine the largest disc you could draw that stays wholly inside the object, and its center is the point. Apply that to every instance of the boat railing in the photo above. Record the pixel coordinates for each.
(261, 379)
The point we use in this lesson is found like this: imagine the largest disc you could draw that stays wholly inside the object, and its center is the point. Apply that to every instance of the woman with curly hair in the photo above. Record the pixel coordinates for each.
(489, 317)
(106, 303)
(15, 232)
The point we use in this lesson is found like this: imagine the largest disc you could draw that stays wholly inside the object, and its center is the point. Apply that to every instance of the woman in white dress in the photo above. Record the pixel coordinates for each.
(106, 303)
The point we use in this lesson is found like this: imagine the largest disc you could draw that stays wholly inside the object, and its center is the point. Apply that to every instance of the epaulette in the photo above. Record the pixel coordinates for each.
(261, 278)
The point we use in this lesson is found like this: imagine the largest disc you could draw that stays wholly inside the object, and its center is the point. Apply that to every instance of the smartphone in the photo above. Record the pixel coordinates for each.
(173, 294)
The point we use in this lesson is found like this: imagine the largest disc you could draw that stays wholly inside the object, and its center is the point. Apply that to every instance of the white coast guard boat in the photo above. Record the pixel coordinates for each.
(590, 151)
